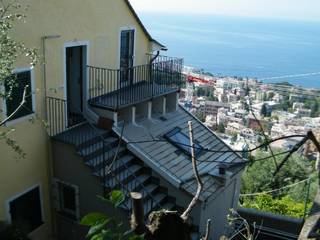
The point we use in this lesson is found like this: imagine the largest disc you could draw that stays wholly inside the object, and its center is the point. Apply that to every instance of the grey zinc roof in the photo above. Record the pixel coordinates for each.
(172, 161)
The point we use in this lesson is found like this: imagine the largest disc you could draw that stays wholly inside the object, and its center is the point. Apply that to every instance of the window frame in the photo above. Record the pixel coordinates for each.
(33, 97)
(73, 215)
(176, 130)
(15, 197)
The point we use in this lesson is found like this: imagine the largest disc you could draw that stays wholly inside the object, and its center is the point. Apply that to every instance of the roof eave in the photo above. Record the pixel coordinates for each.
(164, 48)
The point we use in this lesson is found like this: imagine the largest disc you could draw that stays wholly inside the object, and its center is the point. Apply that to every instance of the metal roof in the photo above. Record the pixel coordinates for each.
(169, 161)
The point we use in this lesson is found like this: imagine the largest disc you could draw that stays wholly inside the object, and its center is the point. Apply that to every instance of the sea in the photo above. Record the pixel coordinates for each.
(272, 50)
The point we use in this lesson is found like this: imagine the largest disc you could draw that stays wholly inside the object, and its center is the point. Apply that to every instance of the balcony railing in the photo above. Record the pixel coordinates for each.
(114, 89)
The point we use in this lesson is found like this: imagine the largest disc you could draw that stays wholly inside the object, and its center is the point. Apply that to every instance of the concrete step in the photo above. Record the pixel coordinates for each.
(96, 159)
(124, 176)
(119, 165)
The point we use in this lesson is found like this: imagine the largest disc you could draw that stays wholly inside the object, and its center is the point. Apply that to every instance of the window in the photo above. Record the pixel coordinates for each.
(181, 141)
(25, 211)
(22, 79)
(68, 200)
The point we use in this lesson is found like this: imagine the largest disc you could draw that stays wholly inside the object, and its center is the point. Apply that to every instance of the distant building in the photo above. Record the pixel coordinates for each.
(303, 112)
(212, 107)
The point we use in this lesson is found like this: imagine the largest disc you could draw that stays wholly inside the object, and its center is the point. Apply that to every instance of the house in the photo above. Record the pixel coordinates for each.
(111, 103)
(212, 107)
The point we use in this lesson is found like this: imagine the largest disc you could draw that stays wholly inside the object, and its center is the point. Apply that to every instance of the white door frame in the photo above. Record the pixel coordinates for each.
(85, 88)
(134, 44)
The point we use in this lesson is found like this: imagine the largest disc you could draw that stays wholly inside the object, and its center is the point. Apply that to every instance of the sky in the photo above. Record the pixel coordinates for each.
(287, 9)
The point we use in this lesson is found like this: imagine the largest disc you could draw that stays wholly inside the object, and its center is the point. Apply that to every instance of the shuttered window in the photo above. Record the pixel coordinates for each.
(21, 80)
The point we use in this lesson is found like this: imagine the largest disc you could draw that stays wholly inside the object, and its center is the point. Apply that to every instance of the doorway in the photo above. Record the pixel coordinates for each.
(126, 57)
(75, 72)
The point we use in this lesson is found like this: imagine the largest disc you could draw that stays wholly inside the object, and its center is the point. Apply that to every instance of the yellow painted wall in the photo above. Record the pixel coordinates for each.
(95, 21)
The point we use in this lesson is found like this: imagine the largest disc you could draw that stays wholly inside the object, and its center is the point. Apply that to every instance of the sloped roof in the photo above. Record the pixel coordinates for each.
(170, 161)
(142, 26)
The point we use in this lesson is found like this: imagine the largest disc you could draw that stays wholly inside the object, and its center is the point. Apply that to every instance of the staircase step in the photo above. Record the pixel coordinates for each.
(96, 138)
(135, 184)
(149, 189)
(153, 203)
(96, 160)
(97, 146)
(118, 165)
(123, 176)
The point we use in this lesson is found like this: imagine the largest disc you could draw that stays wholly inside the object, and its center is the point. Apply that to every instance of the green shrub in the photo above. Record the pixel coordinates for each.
(283, 206)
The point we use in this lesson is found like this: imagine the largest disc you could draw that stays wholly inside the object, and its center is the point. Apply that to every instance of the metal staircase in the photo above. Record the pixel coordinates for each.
(127, 173)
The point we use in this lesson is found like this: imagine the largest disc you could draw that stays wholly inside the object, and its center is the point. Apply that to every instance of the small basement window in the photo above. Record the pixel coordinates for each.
(181, 141)
(68, 200)
(26, 211)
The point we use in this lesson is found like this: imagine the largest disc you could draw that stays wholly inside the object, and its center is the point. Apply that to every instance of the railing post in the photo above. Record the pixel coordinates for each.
(118, 86)
(104, 164)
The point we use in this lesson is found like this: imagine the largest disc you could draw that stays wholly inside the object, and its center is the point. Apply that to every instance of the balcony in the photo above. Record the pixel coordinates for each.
(114, 89)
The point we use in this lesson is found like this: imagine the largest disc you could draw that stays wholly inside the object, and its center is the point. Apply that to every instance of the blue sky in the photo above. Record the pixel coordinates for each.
(288, 9)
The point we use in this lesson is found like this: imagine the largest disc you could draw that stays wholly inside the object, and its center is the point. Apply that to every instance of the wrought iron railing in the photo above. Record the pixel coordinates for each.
(117, 88)
(87, 141)
(56, 115)
(134, 184)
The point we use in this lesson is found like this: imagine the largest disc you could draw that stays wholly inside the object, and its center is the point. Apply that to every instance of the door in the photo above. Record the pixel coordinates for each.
(74, 73)
(126, 57)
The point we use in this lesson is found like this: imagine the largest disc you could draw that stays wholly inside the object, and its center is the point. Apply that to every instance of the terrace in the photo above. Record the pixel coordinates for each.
(114, 89)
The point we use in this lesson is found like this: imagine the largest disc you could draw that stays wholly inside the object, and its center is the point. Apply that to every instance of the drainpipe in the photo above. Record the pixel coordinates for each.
(150, 70)
(49, 149)
(44, 73)
(155, 57)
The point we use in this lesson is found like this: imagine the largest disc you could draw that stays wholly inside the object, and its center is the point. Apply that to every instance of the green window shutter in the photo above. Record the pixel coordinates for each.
(22, 79)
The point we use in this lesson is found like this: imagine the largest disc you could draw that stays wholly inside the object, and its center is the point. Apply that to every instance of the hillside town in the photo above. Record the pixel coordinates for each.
(237, 108)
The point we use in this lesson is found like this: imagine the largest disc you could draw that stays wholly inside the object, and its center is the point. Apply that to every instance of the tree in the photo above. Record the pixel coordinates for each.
(11, 12)
(264, 110)
(212, 98)
(259, 176)
(221, 128)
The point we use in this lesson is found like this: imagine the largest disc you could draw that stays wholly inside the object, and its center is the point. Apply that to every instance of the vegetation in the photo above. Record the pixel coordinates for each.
(102, 226)
(264, 110)
(259, 178)
(284, 206)
(221, 128)
(314, 106)
(286, 104)
(11, 12)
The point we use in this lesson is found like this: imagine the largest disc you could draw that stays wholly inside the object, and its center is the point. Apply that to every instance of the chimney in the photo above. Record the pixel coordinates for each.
(222, 169)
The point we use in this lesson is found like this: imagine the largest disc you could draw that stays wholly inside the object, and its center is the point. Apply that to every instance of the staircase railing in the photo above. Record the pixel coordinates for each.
(58, 127)
(56, 115)
(134, 185)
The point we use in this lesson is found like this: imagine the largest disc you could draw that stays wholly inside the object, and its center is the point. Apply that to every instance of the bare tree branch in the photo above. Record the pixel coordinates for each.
(206, 237)
(292, 151)
(310, 136)
(23, 101)
(262, 131)
(195, 199)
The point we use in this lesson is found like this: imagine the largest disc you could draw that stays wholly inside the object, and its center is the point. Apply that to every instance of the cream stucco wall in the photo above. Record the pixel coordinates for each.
(96, 23)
